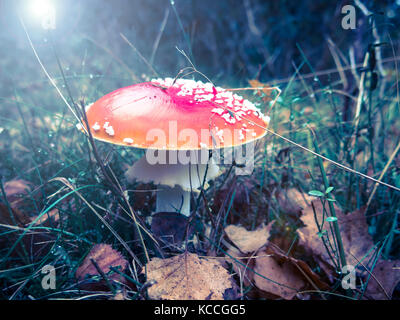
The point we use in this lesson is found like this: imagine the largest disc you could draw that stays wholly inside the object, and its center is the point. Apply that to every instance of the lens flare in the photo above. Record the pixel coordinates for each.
(44, 10)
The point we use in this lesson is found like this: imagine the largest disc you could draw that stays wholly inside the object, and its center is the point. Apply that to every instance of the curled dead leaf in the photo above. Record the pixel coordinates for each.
(248, 241)
(261, 263)
(353, 229)
(274, 274)
(280, 279)
(188, 277)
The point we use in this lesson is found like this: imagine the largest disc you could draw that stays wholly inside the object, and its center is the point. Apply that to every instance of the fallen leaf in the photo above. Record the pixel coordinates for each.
(16, 191)
(187, 277)
(266, 263)
(15, 188)
(388, 275)
(286, 282)
(265, 92)
(353, 229)
(52, 216)
(248, 241)
(292, 201)
(105, 257)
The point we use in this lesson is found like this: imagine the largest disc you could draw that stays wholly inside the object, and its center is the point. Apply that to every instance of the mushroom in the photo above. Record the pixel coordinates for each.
(178, 122)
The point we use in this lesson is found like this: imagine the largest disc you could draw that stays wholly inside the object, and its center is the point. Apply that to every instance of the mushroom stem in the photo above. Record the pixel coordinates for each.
(175, 181)
(173, 199)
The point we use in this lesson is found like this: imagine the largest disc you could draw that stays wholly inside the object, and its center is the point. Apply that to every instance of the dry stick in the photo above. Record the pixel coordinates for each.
(139, 54)
(102, 274)
(353, 65)
(359, 103)
(375, 34)
(261, 89)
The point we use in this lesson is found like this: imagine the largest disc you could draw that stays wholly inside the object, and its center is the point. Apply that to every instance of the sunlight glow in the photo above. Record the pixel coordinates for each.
(44, 10)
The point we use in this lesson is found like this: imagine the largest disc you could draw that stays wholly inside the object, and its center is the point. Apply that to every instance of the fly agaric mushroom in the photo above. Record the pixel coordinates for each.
(171, 118)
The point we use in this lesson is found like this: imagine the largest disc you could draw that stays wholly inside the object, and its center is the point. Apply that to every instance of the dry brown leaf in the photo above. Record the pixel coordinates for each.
(52, 216)
(354, 232)
(289, 280)
(388, 275)
(105, 257)
(248, 241)
(292, 201)
(266, 90)
(291, 275)
(187, 277)
(15, 188)
(288, 275)
(15, 191)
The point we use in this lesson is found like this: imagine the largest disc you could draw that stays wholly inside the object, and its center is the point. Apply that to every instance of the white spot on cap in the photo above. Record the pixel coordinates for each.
(96, 127)
(87, 107)
(128, 140)
(109, 129)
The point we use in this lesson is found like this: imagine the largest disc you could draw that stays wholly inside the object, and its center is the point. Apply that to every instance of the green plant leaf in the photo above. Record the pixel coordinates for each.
(329, 190)
(316, 193)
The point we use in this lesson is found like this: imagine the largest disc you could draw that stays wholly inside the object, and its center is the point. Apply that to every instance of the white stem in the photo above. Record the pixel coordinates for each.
(173, 199)
(175, 181)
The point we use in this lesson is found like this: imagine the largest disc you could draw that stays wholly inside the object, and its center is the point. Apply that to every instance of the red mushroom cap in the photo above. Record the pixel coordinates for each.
(127, 115)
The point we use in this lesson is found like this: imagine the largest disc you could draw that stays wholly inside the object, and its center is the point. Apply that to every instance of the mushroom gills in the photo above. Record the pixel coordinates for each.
(174, 182)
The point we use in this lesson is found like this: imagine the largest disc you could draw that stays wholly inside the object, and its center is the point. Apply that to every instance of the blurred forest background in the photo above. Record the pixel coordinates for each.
(230, 41)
